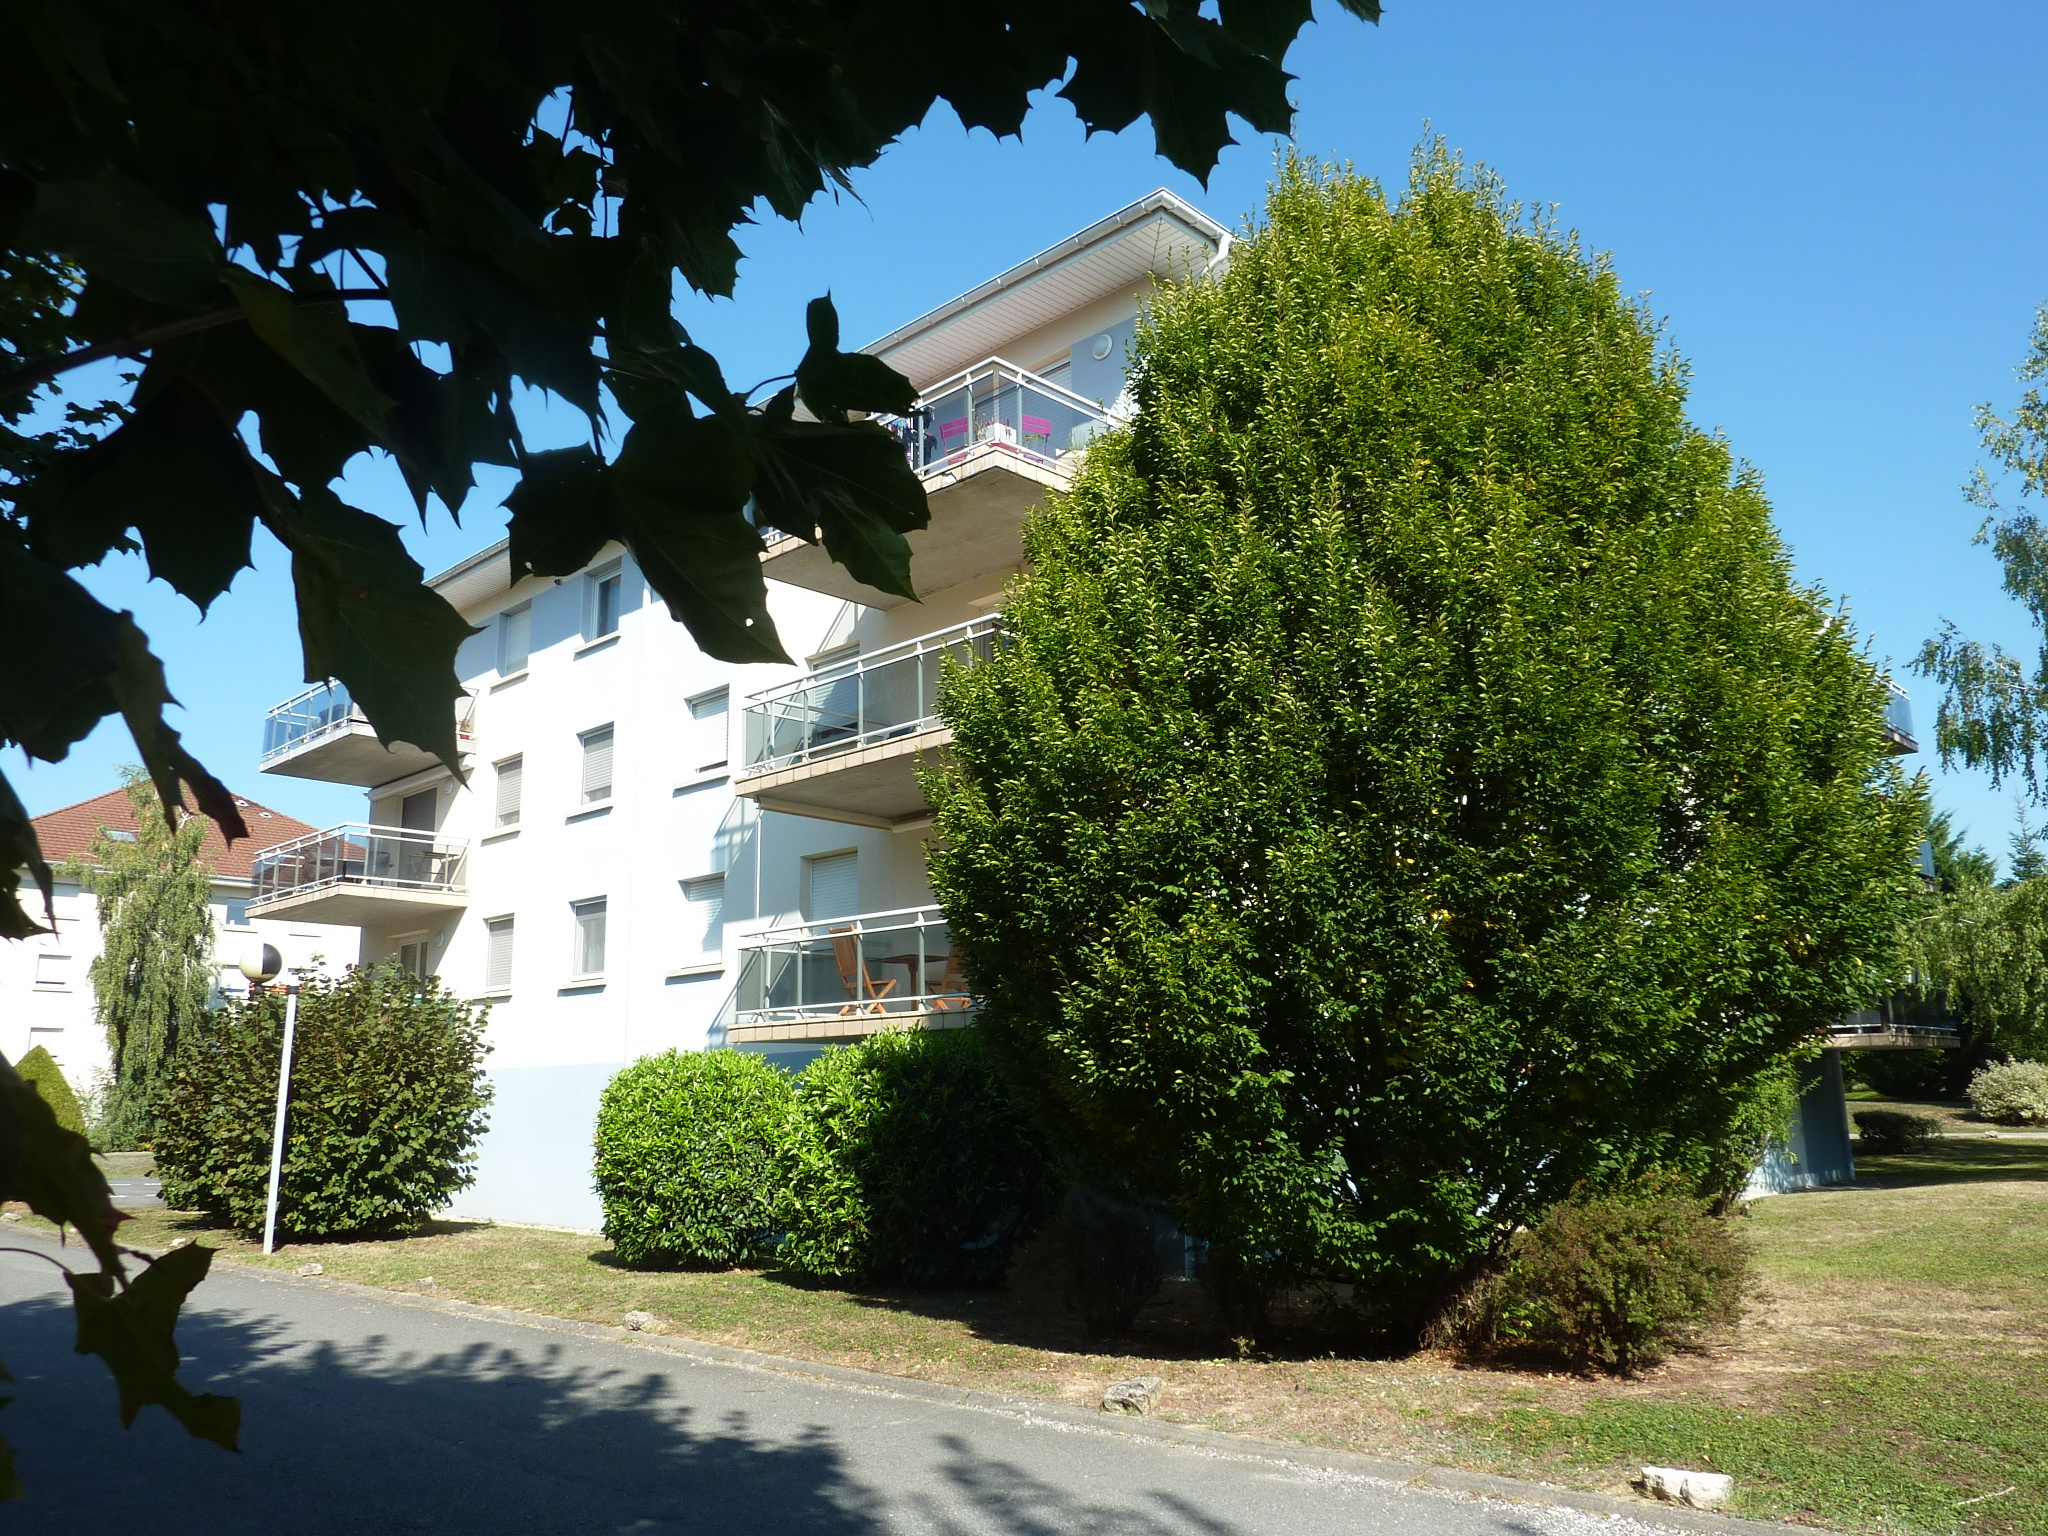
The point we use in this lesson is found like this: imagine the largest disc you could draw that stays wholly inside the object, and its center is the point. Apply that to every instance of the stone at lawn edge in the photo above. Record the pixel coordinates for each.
(1699, 1490)
(638, 1321)
(310, 1270)
(1138, 1395)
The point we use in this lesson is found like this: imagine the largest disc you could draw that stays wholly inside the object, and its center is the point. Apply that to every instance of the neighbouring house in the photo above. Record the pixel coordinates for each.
(46, 995)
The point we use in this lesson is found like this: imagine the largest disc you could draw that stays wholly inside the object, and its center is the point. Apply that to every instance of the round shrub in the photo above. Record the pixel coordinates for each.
(1616, 1280)
(388, 1100)
(2004, 1092)
(40, 1071)
(910, 1164)
(690, 1155)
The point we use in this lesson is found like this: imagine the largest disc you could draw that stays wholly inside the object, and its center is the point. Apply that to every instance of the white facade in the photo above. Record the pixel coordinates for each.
(650, 854)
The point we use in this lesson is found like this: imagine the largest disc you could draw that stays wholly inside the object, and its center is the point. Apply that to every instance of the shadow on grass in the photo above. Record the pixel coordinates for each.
(1956, 1160)
(384, 1420)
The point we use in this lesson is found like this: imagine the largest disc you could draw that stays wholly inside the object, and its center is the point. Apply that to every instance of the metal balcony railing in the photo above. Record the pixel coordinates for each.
(325, 709)
(859, 702)
(357, 854)
(858, 970)
(995, 402)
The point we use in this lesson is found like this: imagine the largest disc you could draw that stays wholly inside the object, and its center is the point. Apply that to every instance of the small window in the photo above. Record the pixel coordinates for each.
(834, 881)
(53, 972)
(235, 914)
(606, 588)
(589, 960)
(704, 921)
(510, 773)
(709, 716)
(515, 639)
(412, 958)
(597, 764)
(498, 955)
(119, 835)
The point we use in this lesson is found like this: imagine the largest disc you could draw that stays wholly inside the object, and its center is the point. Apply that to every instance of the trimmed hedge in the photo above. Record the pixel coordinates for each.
(691, 1150)
(1615, 1281)
(2004, 1092)
(910, 1164)
(1882, 1131)
(388, 1100)
(40, 1071)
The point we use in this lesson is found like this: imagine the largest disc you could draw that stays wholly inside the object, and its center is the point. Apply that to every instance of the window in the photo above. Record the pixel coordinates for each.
(597, 764)
(53, 972)
(498, 955)
(510, 772)
(834, 880)
(704, 916)
(412, 958)
(708, 720)
(235, 914)
(602, 616)
(119, 835)
(515, 639)
(589, 936)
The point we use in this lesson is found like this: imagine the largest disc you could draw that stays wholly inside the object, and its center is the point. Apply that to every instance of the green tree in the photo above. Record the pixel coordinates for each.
(1415, 785)
(154, 973)
(330, 232)
(1957, 862)
(1994, 707)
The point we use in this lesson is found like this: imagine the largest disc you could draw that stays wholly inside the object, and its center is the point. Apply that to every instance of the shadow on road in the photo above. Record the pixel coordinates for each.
(380, 1435)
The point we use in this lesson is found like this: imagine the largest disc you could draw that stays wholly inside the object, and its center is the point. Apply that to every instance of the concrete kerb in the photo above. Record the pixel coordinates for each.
(1385, 1470)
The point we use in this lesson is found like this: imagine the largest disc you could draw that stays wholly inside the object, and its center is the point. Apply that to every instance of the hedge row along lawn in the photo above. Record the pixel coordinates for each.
(1893, 1370)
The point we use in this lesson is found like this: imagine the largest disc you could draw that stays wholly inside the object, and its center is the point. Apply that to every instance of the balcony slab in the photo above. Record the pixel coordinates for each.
(356, 904)
(867, 787)
(854, 1028)
(978, 501)
(351, 754)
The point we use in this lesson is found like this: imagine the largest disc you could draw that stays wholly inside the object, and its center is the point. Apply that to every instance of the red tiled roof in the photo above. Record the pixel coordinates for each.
(67, 833)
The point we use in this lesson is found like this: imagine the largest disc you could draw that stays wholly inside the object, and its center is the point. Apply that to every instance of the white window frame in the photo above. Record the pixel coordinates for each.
(500, 822)
(586, 801)
(706, 953)
(578, 912)
(593, 601)
(424, 943)
(701, 745)
(60, 980)
(505, 925)
(506, 620)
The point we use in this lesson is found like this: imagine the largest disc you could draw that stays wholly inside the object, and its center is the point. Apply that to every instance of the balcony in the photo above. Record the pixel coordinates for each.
(1898, 722)
(989, 443)
(843, 743)
(361, 876)
(323, 734)
(847, 977)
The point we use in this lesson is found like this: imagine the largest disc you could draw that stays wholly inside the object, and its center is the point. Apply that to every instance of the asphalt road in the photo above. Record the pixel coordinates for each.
(362, 1415)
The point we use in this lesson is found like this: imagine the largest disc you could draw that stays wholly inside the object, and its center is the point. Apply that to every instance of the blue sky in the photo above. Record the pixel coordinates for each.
(1840, 210)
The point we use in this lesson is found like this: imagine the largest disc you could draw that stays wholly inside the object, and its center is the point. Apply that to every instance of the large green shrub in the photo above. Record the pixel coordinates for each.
(691, 1152)
(40, 1071)
(1894, 1130)
(2006, 1092)
(1415, 784)
(909, 1164)
(388, 1100)
(1616, 1280)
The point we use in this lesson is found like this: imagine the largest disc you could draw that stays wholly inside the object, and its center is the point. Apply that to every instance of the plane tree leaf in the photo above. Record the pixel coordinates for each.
(133, 1328)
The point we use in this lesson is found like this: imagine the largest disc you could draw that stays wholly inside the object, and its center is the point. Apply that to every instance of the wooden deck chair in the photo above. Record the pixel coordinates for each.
(866, 992)
(953, 979)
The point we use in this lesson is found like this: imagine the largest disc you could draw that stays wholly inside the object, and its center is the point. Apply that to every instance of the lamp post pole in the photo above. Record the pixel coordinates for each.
(284, 1083)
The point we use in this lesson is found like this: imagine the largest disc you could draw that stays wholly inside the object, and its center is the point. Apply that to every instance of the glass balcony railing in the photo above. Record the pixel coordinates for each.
(860, 702)
(325, 710)
(1898, 719)
(359, 855)
(860, 971)
(995, 402)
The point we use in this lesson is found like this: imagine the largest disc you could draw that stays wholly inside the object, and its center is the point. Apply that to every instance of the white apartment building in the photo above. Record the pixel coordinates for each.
(653, 849)
(46, 996)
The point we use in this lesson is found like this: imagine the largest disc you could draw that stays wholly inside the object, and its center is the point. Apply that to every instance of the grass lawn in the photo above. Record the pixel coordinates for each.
(1891, 1377)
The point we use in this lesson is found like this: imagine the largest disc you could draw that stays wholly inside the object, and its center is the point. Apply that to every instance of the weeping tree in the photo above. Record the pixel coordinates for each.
(1416, 784)
(154, 973)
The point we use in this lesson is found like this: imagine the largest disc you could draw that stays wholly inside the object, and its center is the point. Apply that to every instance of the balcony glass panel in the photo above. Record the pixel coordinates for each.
(995, 402)
(1898, 715)
(327, 708)
(871, 699)
(357, 854)
(860, 970)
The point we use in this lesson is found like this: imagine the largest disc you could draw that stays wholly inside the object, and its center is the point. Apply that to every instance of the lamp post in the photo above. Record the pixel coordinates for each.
(262, 965)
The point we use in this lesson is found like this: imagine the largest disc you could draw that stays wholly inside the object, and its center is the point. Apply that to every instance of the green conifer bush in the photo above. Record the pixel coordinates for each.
(40, 1071)
(691, 1151)
(388, 1100)
(1414, 784)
